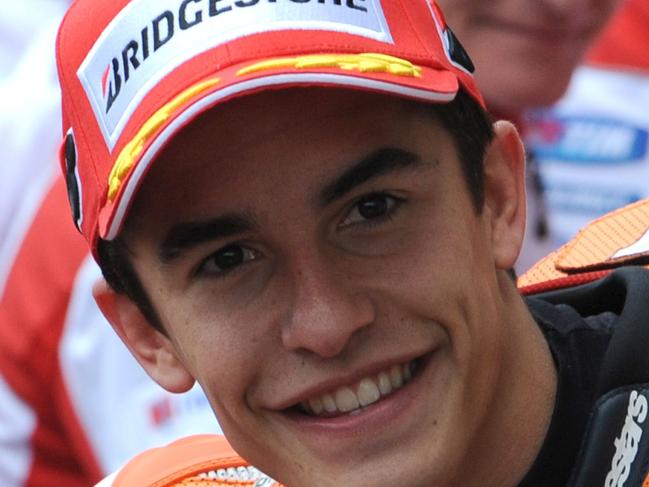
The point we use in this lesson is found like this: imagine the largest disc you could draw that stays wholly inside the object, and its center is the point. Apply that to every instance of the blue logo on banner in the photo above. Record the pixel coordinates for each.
(584, 140)
(589, 200)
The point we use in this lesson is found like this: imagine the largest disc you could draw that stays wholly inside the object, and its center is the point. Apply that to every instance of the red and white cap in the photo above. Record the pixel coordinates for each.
(133, 73)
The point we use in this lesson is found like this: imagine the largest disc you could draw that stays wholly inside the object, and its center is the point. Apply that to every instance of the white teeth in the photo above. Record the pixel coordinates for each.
(396, 377)
(368, 392)
(384, 384)
(316, 406)
(406, 372)
(346, 400)
(329, 403)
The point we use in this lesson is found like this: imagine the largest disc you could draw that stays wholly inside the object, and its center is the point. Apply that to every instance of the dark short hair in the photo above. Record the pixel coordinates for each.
(471, 128)
(469, 125)
(116, 263)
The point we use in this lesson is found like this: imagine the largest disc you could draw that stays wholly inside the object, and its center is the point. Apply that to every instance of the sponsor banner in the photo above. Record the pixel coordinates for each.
(573, 206)
(149, 39)
(588, 199)
(175, 408)
(587, 140)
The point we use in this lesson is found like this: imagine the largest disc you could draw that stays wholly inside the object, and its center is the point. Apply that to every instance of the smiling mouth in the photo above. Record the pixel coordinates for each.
(354, 398)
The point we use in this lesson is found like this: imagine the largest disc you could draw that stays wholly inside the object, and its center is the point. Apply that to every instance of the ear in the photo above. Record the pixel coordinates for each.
(154, 351)
(505, 194)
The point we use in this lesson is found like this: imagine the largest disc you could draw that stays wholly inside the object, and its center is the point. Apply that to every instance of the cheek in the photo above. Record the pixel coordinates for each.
(436, 269)
(214, 349)
(450, 276)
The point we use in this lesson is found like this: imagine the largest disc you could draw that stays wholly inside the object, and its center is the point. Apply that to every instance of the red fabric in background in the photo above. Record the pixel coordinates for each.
(625, 41)
(32, 314)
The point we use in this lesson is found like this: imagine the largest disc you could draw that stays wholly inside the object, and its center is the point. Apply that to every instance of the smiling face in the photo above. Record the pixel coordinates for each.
(525, 50)
(319, 267)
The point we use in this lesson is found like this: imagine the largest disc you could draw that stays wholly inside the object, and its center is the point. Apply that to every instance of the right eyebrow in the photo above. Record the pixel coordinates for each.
(184, 236)
(383, 161)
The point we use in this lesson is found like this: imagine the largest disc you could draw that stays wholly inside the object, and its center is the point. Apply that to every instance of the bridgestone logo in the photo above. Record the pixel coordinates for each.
(148, 39)
(626, 445)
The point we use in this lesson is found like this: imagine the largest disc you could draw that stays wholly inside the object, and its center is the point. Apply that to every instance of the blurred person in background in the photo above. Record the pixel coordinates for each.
(525, 52)
(30, 107)
(593, 146)
(74, 404)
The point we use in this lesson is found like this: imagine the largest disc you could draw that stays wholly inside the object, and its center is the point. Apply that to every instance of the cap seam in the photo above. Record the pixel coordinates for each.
(75, 112)
(412, 27)
(228, 51)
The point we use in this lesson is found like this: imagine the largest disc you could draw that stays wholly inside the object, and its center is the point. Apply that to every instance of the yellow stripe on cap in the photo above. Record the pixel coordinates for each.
(363, 63)
(132, 151)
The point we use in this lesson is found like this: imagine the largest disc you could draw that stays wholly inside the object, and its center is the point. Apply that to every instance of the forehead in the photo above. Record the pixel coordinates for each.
(272, 126)
(284, 139)
(271, 117)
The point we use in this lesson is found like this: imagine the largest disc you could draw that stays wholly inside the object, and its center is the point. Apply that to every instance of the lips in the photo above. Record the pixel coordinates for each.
(354, 397)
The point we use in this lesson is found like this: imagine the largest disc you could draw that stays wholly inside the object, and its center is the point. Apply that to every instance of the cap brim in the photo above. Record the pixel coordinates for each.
(428, 85)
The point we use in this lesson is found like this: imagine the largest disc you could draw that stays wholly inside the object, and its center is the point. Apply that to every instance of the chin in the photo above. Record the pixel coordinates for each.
(369, 478)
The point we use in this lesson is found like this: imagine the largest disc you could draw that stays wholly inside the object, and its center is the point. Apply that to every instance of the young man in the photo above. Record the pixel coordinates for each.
(304, 207)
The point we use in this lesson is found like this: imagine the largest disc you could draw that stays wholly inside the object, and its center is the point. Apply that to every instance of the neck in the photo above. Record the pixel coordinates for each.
(522, 406)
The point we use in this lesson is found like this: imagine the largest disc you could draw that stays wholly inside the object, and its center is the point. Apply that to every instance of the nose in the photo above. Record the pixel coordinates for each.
(327, 310)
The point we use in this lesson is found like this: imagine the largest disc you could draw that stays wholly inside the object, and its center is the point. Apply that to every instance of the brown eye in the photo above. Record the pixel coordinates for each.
(372, 209)
(374, 206)
(227, 258)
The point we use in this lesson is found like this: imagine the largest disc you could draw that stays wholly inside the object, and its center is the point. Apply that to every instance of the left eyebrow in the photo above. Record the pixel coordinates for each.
(185, 236)
(378, 163)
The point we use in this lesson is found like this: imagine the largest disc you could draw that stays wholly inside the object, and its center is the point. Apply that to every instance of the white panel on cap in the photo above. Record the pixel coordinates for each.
(111, 61)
